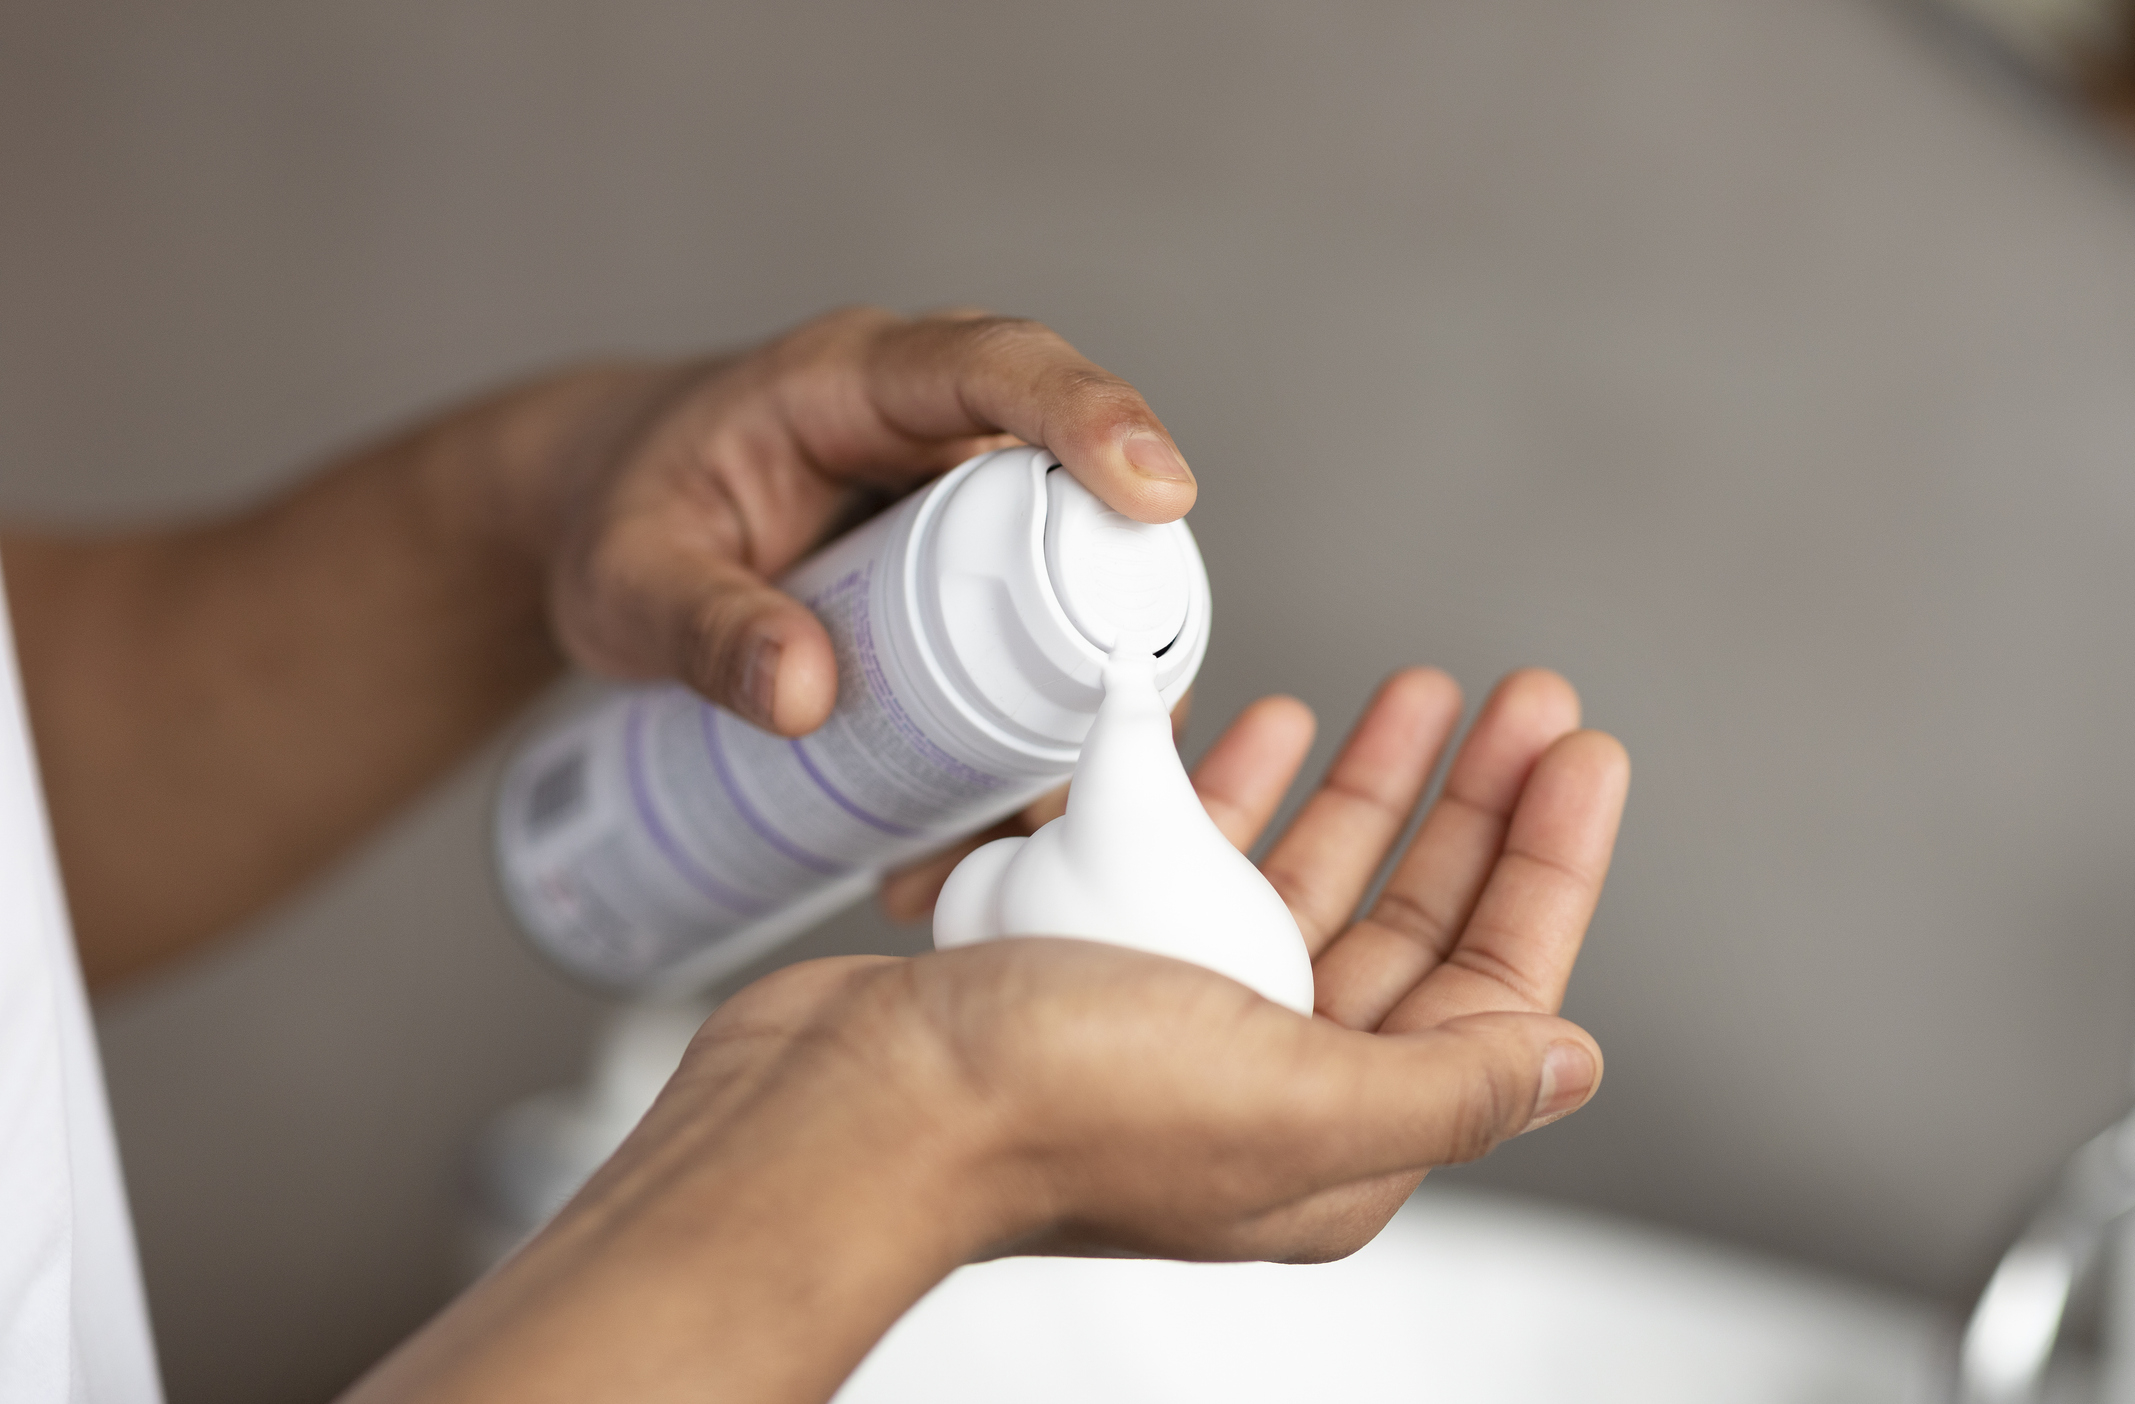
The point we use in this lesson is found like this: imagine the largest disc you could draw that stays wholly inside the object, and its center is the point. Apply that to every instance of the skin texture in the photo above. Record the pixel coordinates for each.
(223, 708)
(843, 1133)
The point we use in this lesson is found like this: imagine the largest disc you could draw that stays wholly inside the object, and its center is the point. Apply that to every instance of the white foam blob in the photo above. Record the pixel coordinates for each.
(1135, 861)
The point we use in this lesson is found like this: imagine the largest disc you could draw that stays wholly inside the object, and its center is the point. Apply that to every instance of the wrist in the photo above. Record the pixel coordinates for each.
(788, 1197)
(860, 1110)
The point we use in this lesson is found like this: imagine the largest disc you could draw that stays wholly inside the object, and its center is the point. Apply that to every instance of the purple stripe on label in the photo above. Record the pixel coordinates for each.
(878, 684)
(811, 861)
(641, 796)
(838, 798)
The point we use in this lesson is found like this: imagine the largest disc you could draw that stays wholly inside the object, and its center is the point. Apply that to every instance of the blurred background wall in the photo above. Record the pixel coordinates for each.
(1763, 367)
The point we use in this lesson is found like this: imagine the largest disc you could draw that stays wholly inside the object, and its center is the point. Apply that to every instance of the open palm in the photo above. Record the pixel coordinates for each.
(1484, 912)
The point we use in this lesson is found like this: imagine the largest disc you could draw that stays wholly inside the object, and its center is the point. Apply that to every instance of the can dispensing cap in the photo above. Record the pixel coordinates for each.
(1112, 574)
(1020, 584)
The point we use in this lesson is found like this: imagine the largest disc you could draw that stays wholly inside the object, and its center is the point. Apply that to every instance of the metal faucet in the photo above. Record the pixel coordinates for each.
(2009, 1340)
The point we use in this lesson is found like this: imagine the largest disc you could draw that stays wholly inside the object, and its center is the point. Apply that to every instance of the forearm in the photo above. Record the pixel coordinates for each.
(751, 1256)
(220, 709)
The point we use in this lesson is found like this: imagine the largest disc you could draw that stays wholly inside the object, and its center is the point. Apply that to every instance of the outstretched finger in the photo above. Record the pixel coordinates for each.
(1242, 777)
(1518, 946)
(1325, 860)
(1426, 903)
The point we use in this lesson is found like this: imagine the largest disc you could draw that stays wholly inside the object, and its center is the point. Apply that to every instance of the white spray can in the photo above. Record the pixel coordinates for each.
(659, 842)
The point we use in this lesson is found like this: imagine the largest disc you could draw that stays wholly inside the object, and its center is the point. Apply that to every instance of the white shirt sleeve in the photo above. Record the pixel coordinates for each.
(73, 1320)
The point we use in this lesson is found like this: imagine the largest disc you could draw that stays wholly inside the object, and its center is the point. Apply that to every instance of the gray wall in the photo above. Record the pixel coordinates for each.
(1759, 365)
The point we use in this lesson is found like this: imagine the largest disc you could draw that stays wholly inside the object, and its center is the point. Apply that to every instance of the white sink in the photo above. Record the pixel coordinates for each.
(1466, 1297)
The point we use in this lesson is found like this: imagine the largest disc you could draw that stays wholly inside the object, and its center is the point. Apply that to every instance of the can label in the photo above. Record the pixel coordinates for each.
(633, 838)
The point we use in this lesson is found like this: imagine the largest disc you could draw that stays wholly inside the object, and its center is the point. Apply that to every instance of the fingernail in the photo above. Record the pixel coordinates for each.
(1567, 1081)
(758, 693)
(1153, 457)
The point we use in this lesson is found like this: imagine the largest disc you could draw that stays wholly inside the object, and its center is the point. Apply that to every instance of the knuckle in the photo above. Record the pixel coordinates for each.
(852, 317)
(834, 334)
(1486, 1113)
(705, 630)
(1094, 386)
(610, 568)
(1478, 959)
(1094, 398)
(1571, 875)
(1410, 919)
(995, 336)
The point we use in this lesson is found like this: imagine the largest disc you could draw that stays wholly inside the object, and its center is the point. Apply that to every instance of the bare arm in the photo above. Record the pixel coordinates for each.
(844, 1133)
(222, 708)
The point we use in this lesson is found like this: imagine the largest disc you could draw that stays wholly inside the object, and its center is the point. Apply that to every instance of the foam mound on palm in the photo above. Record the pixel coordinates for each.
(1135, 861)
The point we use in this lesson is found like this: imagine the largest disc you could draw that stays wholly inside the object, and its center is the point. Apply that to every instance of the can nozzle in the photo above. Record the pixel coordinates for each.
(1113, 575)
